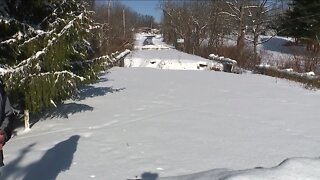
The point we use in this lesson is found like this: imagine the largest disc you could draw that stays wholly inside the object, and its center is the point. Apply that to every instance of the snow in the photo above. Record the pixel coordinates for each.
(221, 58)
(162, 56)
(290, 71)
(276, 50)
(19, 35)
(9, 41)
(3, 71)
(307, 169)
(170, 59)
(123, 54)
(311, 73)
(157, 40)
(177, 125)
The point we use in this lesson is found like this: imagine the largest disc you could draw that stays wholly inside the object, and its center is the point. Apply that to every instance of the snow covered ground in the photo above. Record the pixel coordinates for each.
(162, 56)
(275, 51)
(177, 125)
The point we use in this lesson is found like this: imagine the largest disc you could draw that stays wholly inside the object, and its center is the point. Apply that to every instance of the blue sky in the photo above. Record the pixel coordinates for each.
(149, 7)
(145, 7)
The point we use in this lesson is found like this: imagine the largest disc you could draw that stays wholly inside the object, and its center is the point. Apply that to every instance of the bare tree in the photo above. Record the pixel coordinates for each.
(198, 21)
(236, 14)
(119, 23)
(258, 21)
(177, 22)
(187, 20)
(252, 17)
(217, 28)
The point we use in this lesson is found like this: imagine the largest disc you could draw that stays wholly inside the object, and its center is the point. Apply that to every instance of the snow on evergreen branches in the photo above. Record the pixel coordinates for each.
(45, 63)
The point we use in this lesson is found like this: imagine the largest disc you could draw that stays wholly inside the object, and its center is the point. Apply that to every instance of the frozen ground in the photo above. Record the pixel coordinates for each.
(177, 125)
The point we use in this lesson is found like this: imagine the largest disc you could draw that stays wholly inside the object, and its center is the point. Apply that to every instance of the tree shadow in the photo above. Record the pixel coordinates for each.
(54, 161)
(61, 111)
(89, 91)
(64, 110)
(67, 109)
(103, 77)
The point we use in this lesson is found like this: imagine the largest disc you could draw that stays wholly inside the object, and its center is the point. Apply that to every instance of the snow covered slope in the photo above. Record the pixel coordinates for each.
(276, 51)
(153, 123)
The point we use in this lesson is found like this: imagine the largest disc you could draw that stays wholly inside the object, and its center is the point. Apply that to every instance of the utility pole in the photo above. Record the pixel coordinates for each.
(106, 34)
(109, 6)
(124, 23)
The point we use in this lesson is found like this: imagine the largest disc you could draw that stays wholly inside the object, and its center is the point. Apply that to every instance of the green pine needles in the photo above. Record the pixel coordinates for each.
(45, 55)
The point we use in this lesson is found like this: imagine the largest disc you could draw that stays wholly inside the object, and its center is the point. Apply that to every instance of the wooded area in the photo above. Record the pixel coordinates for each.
(206, 26)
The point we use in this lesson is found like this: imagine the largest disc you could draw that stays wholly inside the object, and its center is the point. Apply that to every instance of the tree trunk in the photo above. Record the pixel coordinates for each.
(240, 40)
(255, 49)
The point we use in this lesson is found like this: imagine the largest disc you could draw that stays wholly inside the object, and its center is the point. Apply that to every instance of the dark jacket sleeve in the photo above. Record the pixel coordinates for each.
(7, 115)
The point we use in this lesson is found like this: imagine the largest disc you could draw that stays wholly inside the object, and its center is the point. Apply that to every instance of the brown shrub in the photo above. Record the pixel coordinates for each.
(309, 82)
(302, 64)
(245, 59)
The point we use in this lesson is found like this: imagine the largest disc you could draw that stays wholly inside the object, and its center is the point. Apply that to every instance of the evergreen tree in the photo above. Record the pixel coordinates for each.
(302, 19)
(44, 50)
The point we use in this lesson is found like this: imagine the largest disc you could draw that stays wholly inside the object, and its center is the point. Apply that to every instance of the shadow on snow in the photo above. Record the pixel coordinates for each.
(89, 91)
(149, 176)
(67, 109)
(277, 44)
(52, 163)
(64, 110)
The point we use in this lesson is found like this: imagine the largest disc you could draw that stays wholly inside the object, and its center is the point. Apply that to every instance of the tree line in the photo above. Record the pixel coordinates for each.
(210, 24)
(120, 23)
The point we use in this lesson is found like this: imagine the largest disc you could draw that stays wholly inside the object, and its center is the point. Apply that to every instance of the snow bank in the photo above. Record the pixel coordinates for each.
(289, 72)
(169, 59)
(294, 168)
(123, 54)
(221, 58)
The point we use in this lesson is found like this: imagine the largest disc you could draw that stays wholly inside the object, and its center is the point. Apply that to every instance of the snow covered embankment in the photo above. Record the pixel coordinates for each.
(289, 169)
(309, 78)
(157, 54)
